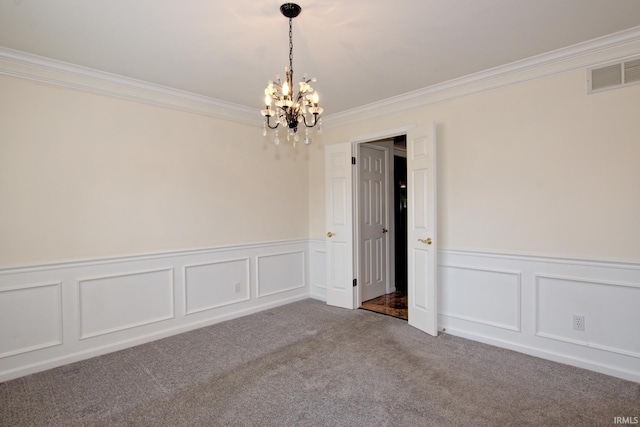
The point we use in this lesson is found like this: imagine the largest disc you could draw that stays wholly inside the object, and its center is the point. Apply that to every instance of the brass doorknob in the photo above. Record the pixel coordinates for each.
(330, 234)
(384, 230)
(428, 241)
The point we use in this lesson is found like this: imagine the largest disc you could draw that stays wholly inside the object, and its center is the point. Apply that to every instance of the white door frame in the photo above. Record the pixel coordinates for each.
(374, 137)
(422, 239)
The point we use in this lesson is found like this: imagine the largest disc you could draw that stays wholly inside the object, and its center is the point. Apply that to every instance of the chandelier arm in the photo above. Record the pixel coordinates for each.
(315, 120)
(269, 124)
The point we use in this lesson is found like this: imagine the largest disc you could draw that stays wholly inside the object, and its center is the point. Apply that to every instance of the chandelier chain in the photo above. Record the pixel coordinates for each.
(290, 46)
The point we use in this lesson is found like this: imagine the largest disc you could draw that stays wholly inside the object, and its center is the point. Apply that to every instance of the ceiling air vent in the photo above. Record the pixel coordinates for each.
(614, 76)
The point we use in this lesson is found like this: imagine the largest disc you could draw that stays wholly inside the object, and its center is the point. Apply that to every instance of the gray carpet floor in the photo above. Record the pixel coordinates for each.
(307, 364)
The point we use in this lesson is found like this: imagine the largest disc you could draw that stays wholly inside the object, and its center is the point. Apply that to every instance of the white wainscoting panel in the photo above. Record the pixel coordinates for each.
(215, 284)
(55, 314)
(280, 273)
(605, 306)
(473, 294)
(30, 318)
(114, 303)
(526, 303)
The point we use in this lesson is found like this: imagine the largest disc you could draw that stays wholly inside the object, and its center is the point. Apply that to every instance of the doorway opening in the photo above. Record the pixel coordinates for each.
(382, 226)
(341, 217)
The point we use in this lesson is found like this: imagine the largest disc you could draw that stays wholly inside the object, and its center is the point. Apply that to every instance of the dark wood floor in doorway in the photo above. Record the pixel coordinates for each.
(393, 304)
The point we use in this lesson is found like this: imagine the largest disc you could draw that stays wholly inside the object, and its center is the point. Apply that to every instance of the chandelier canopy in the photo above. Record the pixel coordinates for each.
(282, 103)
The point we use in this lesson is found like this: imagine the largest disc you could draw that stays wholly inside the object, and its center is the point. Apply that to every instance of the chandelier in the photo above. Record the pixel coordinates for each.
(282, 105)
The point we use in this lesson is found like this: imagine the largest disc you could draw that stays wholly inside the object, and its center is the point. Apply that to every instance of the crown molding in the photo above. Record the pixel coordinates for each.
(609, 48)
(33, 67)
(613, 47)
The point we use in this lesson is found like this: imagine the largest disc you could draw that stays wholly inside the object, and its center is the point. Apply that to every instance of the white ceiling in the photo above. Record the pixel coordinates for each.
(361, 51)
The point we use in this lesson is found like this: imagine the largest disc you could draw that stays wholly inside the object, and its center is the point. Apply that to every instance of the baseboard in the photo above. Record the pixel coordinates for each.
(61, 313)
(57, 313)
(319, 297)
(526, 303)
(548, 355)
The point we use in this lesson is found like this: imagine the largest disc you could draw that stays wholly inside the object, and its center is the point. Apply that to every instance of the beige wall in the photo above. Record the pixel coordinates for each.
(84, 175)
(535, 168)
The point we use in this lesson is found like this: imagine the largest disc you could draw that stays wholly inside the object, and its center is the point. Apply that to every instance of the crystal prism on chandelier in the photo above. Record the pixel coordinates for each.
(283, 105)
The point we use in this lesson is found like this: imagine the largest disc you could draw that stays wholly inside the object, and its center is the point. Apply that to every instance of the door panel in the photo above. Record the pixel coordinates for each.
(421, 272)
(373, 178)
(339, 224)
(421, 230)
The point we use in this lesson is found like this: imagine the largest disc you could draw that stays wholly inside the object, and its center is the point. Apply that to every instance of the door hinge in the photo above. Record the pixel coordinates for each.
(353, 162)
(355, 282)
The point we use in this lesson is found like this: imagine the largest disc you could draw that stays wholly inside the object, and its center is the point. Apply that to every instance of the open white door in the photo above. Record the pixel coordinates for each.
(339, 220)
(373, 207)
(421, 228)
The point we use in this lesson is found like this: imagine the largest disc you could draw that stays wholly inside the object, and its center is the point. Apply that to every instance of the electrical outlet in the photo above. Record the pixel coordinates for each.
(237, 287)
(578, 322)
